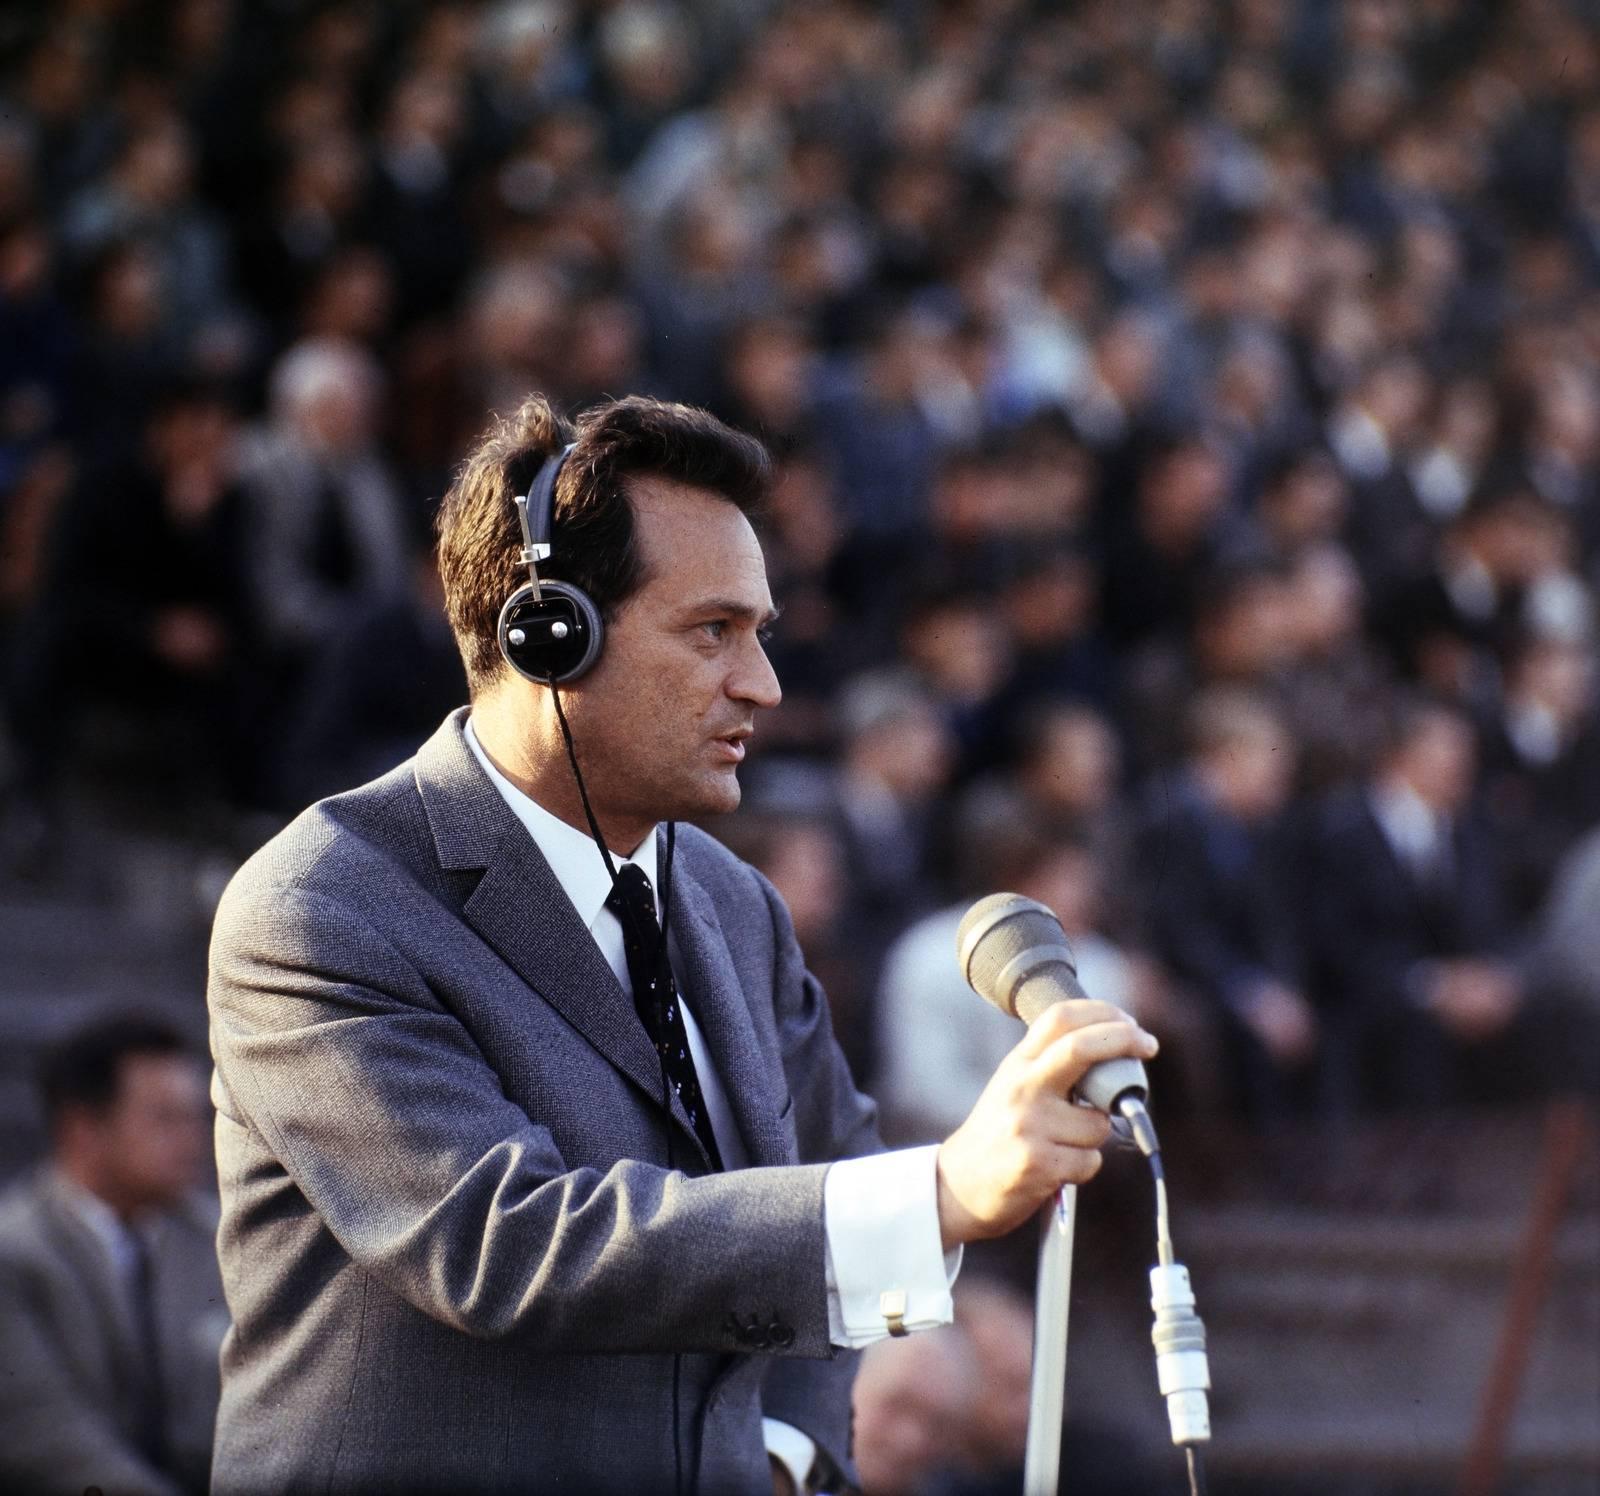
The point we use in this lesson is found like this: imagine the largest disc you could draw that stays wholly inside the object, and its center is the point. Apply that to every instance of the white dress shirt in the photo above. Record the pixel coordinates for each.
(880, 1214)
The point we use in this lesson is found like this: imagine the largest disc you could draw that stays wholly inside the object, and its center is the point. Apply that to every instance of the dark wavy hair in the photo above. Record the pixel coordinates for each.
(593, 541)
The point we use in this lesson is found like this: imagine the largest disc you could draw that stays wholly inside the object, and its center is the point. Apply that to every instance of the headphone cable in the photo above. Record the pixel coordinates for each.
(660, 957)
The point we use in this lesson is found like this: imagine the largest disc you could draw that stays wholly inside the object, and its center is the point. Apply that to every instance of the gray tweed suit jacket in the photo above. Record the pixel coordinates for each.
(455, 1256)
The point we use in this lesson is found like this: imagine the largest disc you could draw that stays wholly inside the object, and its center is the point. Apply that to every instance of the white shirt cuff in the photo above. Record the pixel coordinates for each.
(886, 1273)
(795, 1451)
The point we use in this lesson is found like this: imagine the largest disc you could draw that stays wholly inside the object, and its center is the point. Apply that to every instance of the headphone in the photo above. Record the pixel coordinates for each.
(549, 632)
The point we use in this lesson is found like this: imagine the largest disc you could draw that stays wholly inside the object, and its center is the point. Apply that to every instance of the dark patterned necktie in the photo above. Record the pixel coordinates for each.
(655, 995)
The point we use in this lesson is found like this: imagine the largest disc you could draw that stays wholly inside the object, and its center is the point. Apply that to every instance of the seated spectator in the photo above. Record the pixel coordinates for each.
(939, 1042)
(945, 1413)
(796, 845)
(1240, 635)
(111, 1311)
(895, 763)
(331, 532)
(374, 691)
(148, 611)
(1222, 906)
(1068, 764)
(911, 1400)
(1335, 689)
(1541, 763)
(1565, 963)
(1481, 588)
(1413, 948)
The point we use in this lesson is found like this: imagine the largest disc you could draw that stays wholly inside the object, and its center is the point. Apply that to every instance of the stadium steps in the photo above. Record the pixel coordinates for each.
(1354, 1314)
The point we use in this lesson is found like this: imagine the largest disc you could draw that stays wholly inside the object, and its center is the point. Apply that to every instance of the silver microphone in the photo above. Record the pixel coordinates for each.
(1014, 953)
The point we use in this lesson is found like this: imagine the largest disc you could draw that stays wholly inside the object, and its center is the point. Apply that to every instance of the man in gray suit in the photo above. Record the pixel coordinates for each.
(508, 1205)
(111, 1311)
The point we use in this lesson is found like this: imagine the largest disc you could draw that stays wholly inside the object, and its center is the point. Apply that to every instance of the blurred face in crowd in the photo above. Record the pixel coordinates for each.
(1323, 602)
(1066, 879)
(1249, 633)
(913, 1400)
(961, 647)
(909, 753)
(999, 1327)
(1557, 676)
(1437, 762)
(1076, 766)
(1183, 494)
(1252, 772)
(806, 866)
(148, 1147)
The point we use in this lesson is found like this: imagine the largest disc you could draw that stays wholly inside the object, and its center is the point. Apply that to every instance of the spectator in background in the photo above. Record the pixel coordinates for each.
(111, 1310)
(1223, 901)
(1566, 954)
(148, 198)
(1541, 763)
(1179, 531)
(938, 1040)
(1499, 570)
(1065, 778)
(1336, 684)
(895, 763)
(910, 1406)
(1412, 943)
(148, 613)
(945, 1413)
(1239, 635)
(331, 534)
(797, 847)
(381, 683)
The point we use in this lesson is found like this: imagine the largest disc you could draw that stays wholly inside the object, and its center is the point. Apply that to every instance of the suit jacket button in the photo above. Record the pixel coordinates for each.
(782, 1336)
(758, 1338)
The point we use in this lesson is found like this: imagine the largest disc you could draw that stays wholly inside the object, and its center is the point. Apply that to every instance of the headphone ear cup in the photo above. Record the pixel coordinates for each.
(556, 638)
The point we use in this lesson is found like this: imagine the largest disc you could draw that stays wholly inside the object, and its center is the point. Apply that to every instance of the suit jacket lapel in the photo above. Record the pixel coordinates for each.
(705, 970)
(521, 910)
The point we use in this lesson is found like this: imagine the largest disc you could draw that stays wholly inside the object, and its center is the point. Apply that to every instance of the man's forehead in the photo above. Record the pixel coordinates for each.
(698, 537)
(660, 496)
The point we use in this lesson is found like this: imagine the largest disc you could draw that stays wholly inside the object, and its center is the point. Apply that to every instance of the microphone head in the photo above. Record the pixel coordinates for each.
(998, 929)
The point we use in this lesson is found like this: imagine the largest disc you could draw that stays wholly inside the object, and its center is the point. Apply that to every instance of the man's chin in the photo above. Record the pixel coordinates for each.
(720, 793)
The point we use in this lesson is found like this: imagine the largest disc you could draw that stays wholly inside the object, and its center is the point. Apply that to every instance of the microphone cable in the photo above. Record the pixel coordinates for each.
(1179, 1336)
(659, 958)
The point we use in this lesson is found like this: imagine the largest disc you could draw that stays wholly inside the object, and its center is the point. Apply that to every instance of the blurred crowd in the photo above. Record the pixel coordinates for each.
(1188, 417)
(1188, 425)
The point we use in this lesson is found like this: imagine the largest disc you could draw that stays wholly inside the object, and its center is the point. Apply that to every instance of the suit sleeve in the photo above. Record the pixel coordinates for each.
(52, 1439)
(374, 1099)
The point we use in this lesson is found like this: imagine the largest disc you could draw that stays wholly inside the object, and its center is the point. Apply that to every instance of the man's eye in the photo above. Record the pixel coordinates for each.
(716, 627)
(764, 634)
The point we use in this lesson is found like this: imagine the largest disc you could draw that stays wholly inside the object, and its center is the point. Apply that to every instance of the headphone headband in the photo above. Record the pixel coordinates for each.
(549, 633)
(535, 513)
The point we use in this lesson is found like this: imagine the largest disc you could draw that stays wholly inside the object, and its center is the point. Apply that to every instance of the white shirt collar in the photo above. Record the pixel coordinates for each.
(1410, 824)
(571, 853)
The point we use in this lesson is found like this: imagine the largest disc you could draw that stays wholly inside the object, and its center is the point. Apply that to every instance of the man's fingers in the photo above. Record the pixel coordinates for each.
(1077, 1165)
(1078, 1127)
(1065, 1060)
(1064, 1018)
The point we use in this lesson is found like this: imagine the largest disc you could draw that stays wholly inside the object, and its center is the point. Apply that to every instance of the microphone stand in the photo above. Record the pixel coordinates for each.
(1047, 1391)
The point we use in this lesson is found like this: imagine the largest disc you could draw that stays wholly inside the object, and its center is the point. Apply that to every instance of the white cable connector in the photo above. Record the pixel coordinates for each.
(1180, 1341)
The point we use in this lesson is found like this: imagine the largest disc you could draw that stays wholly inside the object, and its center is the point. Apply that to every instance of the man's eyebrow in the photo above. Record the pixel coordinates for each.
(733, 608)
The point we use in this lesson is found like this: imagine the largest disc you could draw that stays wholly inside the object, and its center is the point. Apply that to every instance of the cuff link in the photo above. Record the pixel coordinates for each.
(892, 1306)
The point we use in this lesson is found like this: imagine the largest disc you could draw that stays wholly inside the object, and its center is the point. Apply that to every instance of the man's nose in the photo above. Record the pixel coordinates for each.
(754, 680)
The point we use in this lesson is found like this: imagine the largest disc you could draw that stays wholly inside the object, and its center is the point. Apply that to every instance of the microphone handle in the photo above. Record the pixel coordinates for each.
(1106, 1083)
